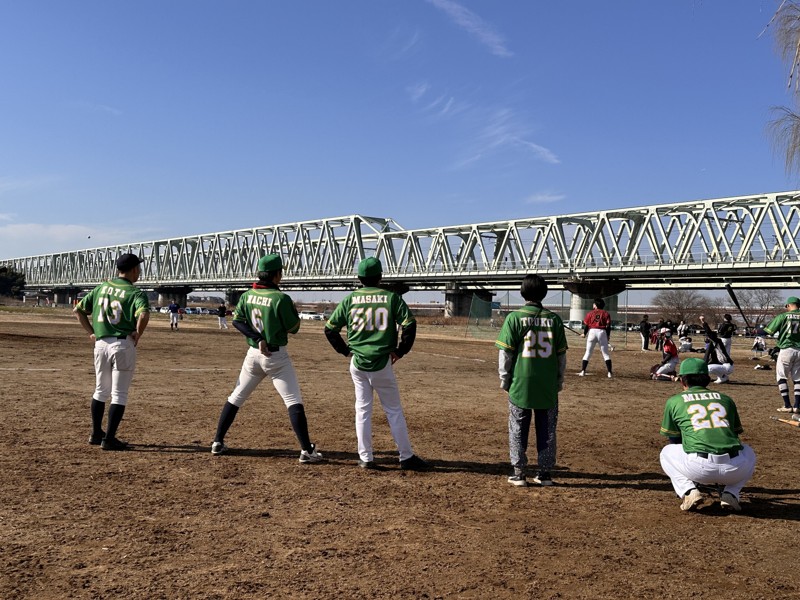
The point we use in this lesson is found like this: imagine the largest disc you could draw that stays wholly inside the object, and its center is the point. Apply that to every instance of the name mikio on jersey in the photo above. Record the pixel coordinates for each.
(703, 396)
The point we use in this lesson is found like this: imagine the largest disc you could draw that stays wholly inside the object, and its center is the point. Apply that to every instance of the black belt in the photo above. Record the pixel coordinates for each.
(731, 453)
(273, 348)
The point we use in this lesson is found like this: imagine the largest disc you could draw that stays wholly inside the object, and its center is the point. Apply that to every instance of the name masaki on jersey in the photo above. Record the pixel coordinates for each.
(702, 396)
(370, 299)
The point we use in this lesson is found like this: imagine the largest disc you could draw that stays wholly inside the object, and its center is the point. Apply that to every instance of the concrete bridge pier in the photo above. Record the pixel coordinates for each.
(232, 296)
(167, 294)
(457, 301)
(584, 293)
(66, 296)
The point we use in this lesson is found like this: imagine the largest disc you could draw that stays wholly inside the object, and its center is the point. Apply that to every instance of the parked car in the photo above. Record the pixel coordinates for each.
(311, 315)
(163, 310)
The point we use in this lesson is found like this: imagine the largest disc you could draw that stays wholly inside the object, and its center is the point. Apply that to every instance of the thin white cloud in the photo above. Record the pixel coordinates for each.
(545, 198)
(502, 131)
(99, 108)
(541, 152)
(417, 91)
(6, 217)
(475, 26)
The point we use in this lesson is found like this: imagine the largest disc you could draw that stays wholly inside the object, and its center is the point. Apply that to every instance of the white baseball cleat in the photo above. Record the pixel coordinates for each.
(582, 374)
(218, 448)
(610, 375)
(310, 457)
(692, 499)
(730, 502)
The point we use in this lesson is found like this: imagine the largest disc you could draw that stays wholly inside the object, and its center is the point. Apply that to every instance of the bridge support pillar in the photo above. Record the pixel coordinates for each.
(232, 296)
(584, 293)
(167, 294)
(65, 296)
(457, 302)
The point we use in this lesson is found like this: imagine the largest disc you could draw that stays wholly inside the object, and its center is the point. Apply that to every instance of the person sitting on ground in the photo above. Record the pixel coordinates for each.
(685, 344)
(703, 428)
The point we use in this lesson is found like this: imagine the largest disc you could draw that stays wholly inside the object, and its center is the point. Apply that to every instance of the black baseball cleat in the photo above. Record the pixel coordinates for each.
(96, 440)
(113, 444)
(415, 463)
(370, 465)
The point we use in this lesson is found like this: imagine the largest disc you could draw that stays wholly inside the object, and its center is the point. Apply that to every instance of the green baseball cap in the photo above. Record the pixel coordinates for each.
(370, 267)
(270, 262)
(693, 366)
(793, 300)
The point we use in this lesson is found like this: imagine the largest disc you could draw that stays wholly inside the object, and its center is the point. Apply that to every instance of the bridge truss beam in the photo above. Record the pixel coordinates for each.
(745, 239)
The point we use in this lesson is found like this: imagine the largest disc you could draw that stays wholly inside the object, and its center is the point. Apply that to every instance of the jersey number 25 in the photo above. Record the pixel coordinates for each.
(537, 344)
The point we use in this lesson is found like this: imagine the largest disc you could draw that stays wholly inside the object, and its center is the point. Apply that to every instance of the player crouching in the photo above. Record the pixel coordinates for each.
(703, 429)
(669, 362)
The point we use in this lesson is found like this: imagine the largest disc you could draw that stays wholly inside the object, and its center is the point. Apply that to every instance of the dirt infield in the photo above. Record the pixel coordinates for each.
(168, 520)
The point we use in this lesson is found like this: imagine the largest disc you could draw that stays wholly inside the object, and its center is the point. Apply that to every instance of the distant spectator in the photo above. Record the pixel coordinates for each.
(644, 331)
(222, 311)
(682, 330)
(720, 363)
(726, 331)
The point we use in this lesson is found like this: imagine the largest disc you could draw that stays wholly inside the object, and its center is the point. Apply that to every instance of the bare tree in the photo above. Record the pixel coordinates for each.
(760, 305)
(785, 127)
(682, 305)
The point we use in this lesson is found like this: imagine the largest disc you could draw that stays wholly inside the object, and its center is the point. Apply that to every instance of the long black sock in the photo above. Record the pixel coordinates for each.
(297, 416)
(226, 418)
(98, 410)
(115, 412)
(584, 364)
(608, 365)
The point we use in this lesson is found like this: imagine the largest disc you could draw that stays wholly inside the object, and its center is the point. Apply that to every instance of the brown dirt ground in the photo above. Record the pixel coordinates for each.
(168, 520)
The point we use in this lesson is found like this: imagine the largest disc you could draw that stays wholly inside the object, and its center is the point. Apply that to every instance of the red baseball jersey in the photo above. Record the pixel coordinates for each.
(597, 319)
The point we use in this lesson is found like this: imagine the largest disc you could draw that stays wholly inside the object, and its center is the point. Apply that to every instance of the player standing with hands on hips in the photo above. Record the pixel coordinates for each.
(265, 316)
(532, 362)
(372, 316)
(596, 330)
(703, 429)
(787, 366)
(119, 314)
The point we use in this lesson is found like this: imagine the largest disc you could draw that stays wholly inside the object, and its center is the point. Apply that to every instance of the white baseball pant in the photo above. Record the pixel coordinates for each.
(720, 371)
(788, 364)
(671, 366)
(685, 470)
(114, 365)
(593, 338)
(256, 367)
(385, 384)
(173, 318)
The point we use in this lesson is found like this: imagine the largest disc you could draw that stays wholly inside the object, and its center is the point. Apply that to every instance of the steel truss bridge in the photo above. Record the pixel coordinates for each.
(750, 240)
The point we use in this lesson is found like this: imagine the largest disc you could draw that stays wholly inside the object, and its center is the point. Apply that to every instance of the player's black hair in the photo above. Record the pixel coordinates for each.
(599, 302)
(370, 281)
(267, 276)
(645, 317)
(701, 380)
(533, 288)
(727, 317)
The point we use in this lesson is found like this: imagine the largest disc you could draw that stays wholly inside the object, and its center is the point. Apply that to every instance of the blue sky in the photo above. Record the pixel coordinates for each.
(142, 120)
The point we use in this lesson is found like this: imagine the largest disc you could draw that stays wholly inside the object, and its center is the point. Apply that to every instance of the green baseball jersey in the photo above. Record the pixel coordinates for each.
(536, 337)
(371, 315)
(705, 421)
(270, 312)
(787, 326)
(114, 307)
